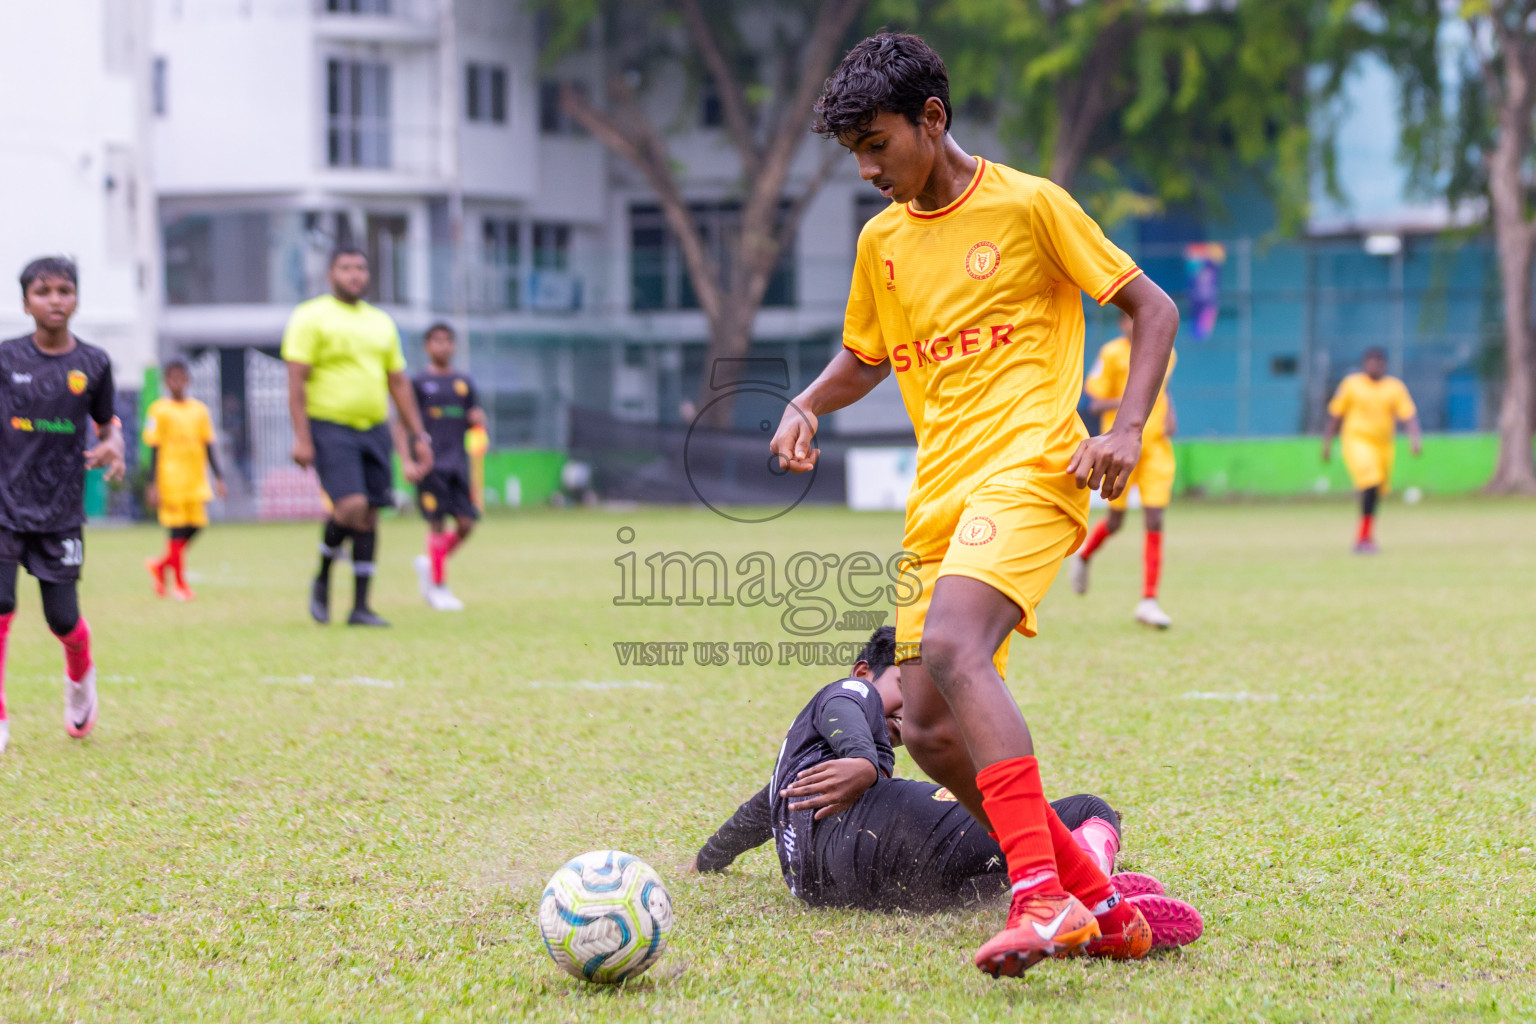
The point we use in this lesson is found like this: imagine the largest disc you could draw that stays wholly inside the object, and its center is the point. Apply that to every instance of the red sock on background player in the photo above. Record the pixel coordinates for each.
(1099, 535)
(1152, 563)
(439, 547)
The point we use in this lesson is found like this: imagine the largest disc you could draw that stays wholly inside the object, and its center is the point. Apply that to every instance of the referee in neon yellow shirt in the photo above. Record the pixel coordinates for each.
(344, 364)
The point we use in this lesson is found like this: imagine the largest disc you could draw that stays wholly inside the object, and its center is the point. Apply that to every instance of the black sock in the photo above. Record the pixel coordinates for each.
(362, 564)
(331, 539)
(1368, 500)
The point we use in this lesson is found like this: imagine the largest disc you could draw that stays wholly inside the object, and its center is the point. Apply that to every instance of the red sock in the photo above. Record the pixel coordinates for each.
(438, 548)
(174, 559)
(77, 651)
(1015, 804)
(5, 636)
(1152, 563)
(454, 540)
(1365, 527)
(1079, 872)
(1095, 538)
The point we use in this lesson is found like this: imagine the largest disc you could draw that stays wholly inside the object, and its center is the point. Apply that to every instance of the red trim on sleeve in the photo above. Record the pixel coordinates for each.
(1125, 278)
(862, 357)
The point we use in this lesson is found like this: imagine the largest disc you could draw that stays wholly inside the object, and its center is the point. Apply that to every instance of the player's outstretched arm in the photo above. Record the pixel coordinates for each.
(1104, 463)
(405, 404)
(846, 379)
(750, 827)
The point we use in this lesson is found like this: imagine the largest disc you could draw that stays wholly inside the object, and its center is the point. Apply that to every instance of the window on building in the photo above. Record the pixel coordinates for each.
(217, 258)
(358, 112)
(552, 119)
(551, 247)
(159, 101)
(501, 244)
(485, 93)
(358, 6)
(659, 277)
(711, 110)
(388, 247)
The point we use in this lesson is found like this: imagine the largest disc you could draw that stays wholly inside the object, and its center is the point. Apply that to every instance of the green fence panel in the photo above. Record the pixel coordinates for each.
(1291, 466)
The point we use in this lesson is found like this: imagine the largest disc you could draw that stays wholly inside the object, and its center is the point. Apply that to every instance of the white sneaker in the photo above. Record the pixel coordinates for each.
(5, 734)
(80, 704)
(443, 600)
(1148, 613)
(1080, 574)
(423, 566)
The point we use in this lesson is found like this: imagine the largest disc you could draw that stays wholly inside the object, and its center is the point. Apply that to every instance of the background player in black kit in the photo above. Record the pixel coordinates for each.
(53, 387)
(450, 408)
(847, 833)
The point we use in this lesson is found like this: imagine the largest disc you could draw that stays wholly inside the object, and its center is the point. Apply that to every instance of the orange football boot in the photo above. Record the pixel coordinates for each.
(1038, 927)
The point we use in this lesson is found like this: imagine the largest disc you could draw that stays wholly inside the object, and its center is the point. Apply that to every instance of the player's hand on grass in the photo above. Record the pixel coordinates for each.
(303, 452)
(792, 441)
(830, 787)
(1104, 463)
(692, 867)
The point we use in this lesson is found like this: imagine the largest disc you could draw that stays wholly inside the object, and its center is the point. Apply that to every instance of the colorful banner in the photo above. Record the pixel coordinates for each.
(1204, 261)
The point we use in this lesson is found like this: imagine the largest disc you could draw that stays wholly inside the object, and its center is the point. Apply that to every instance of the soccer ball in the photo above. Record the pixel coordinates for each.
(605, 917)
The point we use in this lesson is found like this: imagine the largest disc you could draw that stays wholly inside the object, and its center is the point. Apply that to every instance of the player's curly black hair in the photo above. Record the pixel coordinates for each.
(880, 652)
(57, 267)
(891, 71)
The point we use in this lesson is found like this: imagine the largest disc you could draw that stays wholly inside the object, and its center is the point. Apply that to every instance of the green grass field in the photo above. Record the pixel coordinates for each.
(1333, 757)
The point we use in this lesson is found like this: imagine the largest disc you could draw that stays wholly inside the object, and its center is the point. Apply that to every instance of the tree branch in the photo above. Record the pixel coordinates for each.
(634, 139)
(733, 103)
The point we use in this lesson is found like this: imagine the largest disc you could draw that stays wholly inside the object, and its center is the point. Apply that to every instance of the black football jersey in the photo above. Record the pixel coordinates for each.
(47, 405)
(805, 748)
(445, 400)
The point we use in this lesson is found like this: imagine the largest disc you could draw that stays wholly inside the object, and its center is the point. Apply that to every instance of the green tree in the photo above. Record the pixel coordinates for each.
(1466, 110)
(766, 61)
(1138, 105)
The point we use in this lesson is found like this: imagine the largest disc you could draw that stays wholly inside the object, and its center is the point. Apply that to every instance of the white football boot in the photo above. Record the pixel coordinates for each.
(443, 600)
(1080, 574)
(1148, 613)
(424, 582)
(80, 704)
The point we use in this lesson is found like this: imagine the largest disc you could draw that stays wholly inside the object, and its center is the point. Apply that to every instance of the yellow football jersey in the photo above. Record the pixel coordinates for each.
(1107, 380)
(1369, 408)
(182, 431)
(977, 307)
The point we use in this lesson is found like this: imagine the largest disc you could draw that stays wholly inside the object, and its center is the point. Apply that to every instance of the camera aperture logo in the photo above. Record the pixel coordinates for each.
(819, 592)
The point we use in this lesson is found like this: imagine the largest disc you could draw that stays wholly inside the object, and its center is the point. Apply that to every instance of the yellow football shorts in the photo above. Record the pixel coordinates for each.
(1153, 476)
(175, 514)
(1369, 463)
(1006, 536)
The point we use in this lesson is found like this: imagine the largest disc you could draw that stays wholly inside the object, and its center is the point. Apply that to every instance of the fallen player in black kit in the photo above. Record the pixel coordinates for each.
(849, 834)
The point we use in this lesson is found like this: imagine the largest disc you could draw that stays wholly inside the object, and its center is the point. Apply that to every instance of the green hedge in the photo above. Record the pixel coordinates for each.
(1281, 466)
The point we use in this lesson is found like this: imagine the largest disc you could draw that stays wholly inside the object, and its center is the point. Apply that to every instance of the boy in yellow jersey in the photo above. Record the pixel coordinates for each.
(1153, 476)
(179, 434)
(969, 287)
(1368, 406)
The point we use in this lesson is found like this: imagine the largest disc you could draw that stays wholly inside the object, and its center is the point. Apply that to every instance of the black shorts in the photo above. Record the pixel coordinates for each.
(445, 493)
(51, 557)
(354, 462)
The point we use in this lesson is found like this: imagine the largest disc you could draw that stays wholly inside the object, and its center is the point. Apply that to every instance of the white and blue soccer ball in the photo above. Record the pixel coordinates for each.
(605, 917)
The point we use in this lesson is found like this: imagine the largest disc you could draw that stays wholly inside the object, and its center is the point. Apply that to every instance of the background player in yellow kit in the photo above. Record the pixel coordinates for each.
(1153, 475)
(179, 433)
(968, 287)
(1368, 406)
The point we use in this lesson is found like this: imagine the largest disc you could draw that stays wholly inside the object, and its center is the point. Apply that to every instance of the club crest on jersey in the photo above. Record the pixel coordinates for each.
(460, 388)
(77, 382)
(976, 531)
(944, 796)
(981, 262)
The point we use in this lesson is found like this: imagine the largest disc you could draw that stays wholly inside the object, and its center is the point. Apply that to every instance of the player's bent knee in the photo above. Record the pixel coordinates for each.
(952, 659)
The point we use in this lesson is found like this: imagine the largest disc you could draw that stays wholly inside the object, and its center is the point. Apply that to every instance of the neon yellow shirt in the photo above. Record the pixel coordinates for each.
(351, 350)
